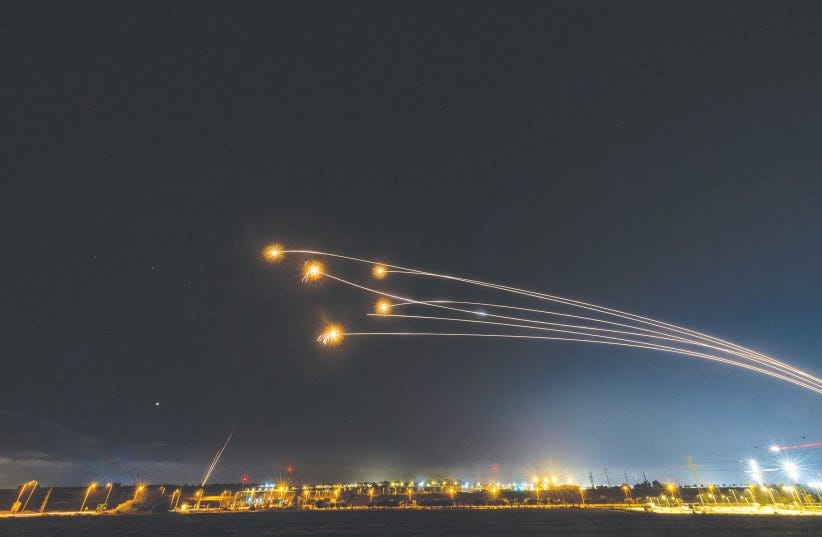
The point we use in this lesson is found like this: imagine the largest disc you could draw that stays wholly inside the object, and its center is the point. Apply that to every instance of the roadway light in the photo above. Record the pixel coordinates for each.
(109, 486)
(31, 493)
(791, 469)
(755, 471)
(91, 486)
(22, 489)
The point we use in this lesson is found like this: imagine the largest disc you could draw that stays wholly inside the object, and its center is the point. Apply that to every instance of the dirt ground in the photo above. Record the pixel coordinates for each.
(407, 523)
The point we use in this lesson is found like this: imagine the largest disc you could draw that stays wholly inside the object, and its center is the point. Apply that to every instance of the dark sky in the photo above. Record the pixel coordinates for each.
(661, 159)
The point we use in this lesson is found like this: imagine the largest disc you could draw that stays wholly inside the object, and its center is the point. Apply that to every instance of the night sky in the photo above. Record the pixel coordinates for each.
(660, 159)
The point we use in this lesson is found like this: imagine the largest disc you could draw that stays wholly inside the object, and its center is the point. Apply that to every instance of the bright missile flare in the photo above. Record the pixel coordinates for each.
(312, 271)
(383, 306)
(331, 335)
(273, 252)
(379, 271)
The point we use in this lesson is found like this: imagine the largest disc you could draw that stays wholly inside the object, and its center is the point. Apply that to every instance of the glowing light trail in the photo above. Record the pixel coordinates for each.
(314, 270)
(648, 334)
(581, 340)
(557, 330)
(620, 342)
(661, 335)
(216, 459)
(575, 303)
(815, 386)
(776, 448)
(636, 318)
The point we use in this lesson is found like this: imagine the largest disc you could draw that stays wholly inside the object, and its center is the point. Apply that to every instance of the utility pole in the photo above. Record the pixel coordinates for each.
(644, 478)
(591, 477)
(607, 478)
(696, 478)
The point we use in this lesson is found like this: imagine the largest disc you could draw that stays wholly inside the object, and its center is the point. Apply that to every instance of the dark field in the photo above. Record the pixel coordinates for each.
(402, 523)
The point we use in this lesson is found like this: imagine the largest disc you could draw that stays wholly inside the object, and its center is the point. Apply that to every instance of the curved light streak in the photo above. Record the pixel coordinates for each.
(813, 381)
(795, 375)
(764, 360)
(535, 294)
(581, 340)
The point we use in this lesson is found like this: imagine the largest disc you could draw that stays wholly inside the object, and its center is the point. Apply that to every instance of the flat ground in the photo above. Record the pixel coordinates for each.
(407, 523)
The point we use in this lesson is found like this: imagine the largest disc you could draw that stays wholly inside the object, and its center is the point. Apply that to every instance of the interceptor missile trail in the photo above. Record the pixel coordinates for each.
(799, 381)
(580, 340)
(639, 331)
(216, 459)
(379, 267)
(776, 448)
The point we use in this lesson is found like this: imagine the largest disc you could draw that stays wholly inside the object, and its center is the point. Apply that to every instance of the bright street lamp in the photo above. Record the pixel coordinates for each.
(110, 486)
(91, 486)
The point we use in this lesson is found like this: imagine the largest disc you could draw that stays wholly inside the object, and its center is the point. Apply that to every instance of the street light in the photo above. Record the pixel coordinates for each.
(16, 505)
(769, 491)
(627, 490)
(31, 493)
(110, 486)
(672, 490)
(790, 468)
(794, 494)
(91, 486)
